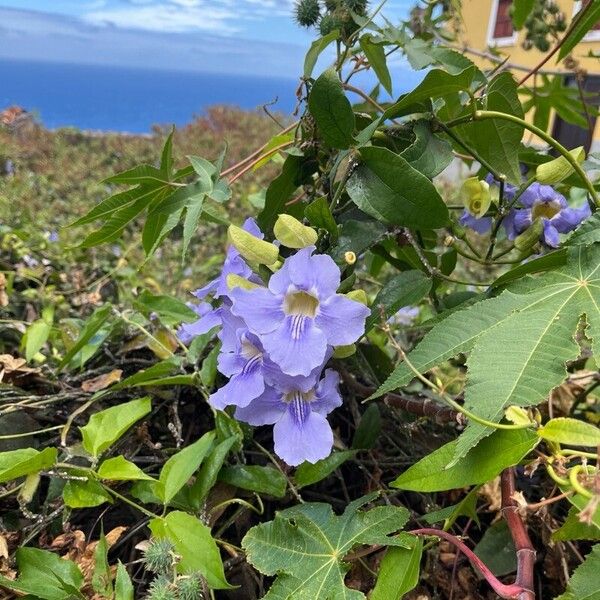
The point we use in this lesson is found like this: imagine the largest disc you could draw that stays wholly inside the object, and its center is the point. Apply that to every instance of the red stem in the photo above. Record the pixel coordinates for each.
(511, 591)
(518, 532)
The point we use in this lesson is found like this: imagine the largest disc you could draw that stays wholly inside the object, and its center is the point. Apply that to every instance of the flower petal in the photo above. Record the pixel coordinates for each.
(310, 440)
(328, 394)
(297, 345)
(568, 218)
(550, 234)
(522, 220)
(341, 319)
(240, 390)
(188, 331)
(267, 409)
(480, 226)
(261, 309)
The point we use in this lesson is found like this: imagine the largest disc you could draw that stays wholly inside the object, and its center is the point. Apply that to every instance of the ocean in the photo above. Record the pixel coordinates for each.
(107, 98)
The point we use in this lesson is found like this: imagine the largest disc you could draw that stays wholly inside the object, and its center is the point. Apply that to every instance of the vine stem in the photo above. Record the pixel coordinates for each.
(520, 537)
(480, 115)
(510, 591)
(258, 159)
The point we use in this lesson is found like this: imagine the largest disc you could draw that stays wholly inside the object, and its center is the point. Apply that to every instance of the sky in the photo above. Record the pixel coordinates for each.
(255, 37)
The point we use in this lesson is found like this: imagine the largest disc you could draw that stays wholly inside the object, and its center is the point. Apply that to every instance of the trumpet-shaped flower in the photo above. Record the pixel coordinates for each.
(544, 203)
(300, 314)
(209, 318)
(298, 409)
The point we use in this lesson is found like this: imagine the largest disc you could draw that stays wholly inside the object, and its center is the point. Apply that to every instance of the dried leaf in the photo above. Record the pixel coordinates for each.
(102, 381)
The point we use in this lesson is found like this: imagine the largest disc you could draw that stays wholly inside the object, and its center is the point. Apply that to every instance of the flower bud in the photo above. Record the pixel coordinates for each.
(529, 238)
(475, 195)
(350, 257)
(558, 169)
(234, 281)
(517, 415)
(28, 489)
(358, 296)
(344, 351)
(251, 248)
(293, 234)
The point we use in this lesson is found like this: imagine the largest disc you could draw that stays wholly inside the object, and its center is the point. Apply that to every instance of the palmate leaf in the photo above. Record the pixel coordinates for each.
(305, 546)
(519, 341)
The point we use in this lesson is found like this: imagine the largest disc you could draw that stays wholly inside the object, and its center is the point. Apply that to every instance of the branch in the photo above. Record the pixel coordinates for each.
(518, 532)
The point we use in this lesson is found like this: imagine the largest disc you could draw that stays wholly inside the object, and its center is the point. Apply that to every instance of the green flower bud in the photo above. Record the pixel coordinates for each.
(558, 169)
(307, 12)
(28, 489)
(328, 23)
(476, 197)
(344, 351)
(293, 234)
(234, 281)
(358, 296)
(255, 251)
(530, 237)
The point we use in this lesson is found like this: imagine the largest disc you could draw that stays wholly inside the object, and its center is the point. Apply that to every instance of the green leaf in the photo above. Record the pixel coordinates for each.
(319, 215)
(369, 428)
(583, 22)
(142, 174)
(204, 169)
(36, 336)
(574, 529)
(156, 371)
(398, 572)
(209, 471)
(263, 480)
(18, 463)
(520, 11)
(123, 585)
(315, 50)
(585, 583)
(166, 156)
(435, 84)
(428, 154)
(208, 371)
(165, 306)
(101, 578)
(85, 494)
(309, 473)
(304, 547)
(375, 54)
(192, 217)
(178, 470)
(405, 289)
(107, 426)
(571, 432)
(120, 469)
(519, 341)
(386, 187)
(467, 507)
(497, 140)
(588, 232)
(331, 110)
(279, 192)
(194, 544)
(504, 448)
(92, 326)
(112, 204)
(497, 549)
(45, 575)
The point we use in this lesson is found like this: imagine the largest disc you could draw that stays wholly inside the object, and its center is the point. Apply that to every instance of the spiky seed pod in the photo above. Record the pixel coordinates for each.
(190, 587)
(332, 4)
(358, 6)
(159, 556)
(161, 589)
(307, 12)
(328, 23)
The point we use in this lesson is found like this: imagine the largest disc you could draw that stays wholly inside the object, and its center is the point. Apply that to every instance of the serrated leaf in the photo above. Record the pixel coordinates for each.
(404, 289)
(434, 473)
(140, 175)
(332, 110)
(304, 547)
(587, 233)
(386, 187)
(585, 583)
(574, 529)
(123, 585)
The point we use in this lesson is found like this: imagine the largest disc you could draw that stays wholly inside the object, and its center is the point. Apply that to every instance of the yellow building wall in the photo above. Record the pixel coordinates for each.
(475, 32)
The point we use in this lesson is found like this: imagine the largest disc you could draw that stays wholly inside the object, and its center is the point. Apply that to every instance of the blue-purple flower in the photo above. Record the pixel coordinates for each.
(298, 409)
(208, 319)
(300, 314)
(545, 203)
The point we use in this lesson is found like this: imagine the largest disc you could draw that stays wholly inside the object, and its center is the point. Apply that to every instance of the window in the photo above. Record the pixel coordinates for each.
(500, 28)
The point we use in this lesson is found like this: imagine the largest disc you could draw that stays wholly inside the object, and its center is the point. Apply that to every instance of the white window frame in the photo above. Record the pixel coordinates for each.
(590, 36)
(498, 42)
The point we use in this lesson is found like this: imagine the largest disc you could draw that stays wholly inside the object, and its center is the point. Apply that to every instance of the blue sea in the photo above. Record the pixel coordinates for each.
(110, 98)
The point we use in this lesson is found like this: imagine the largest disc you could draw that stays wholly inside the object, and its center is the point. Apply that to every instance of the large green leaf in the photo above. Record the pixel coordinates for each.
(304, 546)
(398, 572)
(17, 463)
(375, 54)
(263, 480)
(503, 449)
(521, 10)
(315, 50)
(497, 140)
(428, 154)
(519, 341)
(581, 24)
(332, 110)
(585, 583)
(386, 187)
